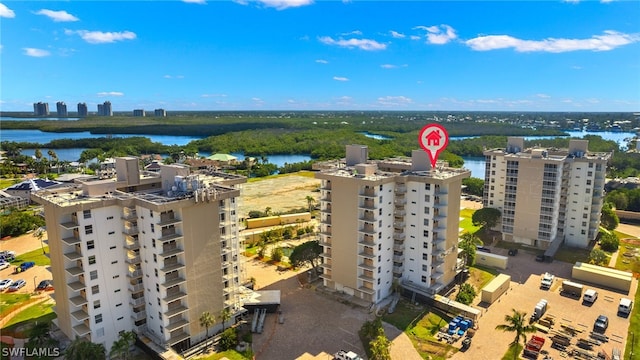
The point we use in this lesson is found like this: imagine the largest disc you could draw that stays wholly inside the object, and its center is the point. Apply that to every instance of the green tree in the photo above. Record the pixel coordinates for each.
(81, 349)
(310, 202)
(609, 218)
(39, 336)
(119, 350)
(466, 294)
(225, 315)
(516, 322)
(609, 241)
(277, 254)
(597, 257)
(468, 244)
(486, 217)
(380, 347)
(228, 339)
(307, 252)
(473, 186)
(38, 233)
(206, 320)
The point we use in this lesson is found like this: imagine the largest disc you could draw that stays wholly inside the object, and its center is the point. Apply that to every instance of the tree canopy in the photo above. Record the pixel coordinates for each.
(306, 253)
(486, 217)
(608, 218)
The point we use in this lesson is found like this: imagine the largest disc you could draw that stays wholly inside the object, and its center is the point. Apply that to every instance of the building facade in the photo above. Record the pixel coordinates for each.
(389, 222)
(160, 112)
(41, 109)
(139, 112)
(61, 109)
(147, 252)
(546, 196)
(105, 109)
(82, 110)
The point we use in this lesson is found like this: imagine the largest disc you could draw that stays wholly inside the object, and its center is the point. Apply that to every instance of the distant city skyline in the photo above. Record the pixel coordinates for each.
(245, 55)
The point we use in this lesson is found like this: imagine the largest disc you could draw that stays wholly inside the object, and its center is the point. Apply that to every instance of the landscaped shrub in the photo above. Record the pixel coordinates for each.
(466, 294)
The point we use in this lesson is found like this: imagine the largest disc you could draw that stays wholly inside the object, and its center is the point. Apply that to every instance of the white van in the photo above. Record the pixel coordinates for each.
(590, 295)
(625, 306)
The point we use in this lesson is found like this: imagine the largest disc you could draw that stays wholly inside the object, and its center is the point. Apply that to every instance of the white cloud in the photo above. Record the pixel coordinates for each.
(110, 93)
(571, 1)
(391, 66)
(100, 37)
(340, 78)
(576, 67)
(213, 95)
(543, 96)
(363, 44)
(414, 37)
(285, 4)
(321, 61)
(606, 1)
(354, 32)
(609, 40)
(397, 35)
(439, 34)
(195, 1)
(394, 100)
(33, 52)
(5, 12)
(57, 16)
(173, 76)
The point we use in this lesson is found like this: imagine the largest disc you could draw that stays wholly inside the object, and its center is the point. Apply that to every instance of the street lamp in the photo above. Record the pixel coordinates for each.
(35, 287)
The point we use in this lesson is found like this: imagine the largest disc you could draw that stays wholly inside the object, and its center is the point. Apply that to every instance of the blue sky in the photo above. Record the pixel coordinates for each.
(322, 55)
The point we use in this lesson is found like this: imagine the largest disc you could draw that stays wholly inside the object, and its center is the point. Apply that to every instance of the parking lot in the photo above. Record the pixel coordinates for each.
(525, 293)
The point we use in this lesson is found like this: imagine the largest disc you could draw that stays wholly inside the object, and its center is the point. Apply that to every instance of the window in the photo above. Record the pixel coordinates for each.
(153, 228)
(96, 304)
(157, 288)
(86, 214)
(150, 213)
(379, 247)
(425, 256)
(426, 210)
(153, 242)
(427, 198)
(156, 272)
(427, 186)
(109, 217)
(98, 318)
(93, 274)
(88, 229)
(114, 262)
(111, 232)
(423, 279)
(379, 269)
(425, 245)
(155, 258)
(118, 305)
(91, 244)
(116, 276)
(112, 247)
(425, 268)
(120, 318)
(95, 289)
(588, 182)
(425, 233)
(116, 290)
(92, 259)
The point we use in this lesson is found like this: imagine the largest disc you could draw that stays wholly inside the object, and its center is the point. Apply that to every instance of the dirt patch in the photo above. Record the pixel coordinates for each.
(280, 194)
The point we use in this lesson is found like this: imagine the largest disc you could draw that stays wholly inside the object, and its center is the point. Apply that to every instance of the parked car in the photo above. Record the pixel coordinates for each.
(45, 285)
(5, 284)
(25, 266)
(590, 296)
(513, 252)
(4, 265)
(17, 285)
(601, 324)
(483, 249)
(547, 280)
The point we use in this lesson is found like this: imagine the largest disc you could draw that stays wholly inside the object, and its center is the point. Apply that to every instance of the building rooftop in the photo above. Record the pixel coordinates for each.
(34, 184)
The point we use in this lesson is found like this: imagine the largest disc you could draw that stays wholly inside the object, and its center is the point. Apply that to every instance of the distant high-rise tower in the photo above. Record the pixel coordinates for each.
(160, 112)
(82, 109)
(104, 109)
(139, 112)
(41, 109)
(61, 109)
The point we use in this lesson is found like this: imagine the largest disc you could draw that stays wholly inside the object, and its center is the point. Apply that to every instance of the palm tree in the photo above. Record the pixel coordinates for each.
(310, 201)
(225, 315)
(128, 338)
(206, 320)
(39, 234)
(380, 346)
(39, 336)
(81, 349)
(119, 349)
(467, 244)
(516, 322)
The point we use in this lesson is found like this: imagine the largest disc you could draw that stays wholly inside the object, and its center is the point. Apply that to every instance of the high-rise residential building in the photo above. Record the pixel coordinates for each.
(82, 110)
(389, 220)
(139, 112)
(105, 109)
(547, 196)
(61, 109)
(148, 252)
(160, 112)
(41, 109)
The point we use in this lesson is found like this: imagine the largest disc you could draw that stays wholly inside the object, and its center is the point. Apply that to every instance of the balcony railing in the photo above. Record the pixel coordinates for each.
(171, 266)
(170, 236)
(366, 266)
(175, 310)
(136, 288)
(177, 336)
(368, 255)
(133, 259)
(174, 295)
(134, 273)
(137, 301)
(72, 240)
(170, 250)
(73, 256)
(136, 316)
(130, 230)
(78, 300)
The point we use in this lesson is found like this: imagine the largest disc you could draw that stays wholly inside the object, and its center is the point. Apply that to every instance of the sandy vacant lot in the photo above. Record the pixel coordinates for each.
(280, 194)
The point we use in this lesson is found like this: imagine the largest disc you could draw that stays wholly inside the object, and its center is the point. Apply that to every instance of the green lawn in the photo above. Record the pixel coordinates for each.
(305, 173)
(479, 276)
(229, 354)
(634, 326)
(628, 258)
(572, 255)
(37, 312)
(513, 352)
(466, 222)
(36, 256)
(9, 300)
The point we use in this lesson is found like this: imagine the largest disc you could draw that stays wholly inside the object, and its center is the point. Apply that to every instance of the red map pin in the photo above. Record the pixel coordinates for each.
(433, 138)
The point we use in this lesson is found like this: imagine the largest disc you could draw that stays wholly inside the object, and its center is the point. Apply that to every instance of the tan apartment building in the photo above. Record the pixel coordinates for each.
(145, 251)
(547, 196)
(387, 221)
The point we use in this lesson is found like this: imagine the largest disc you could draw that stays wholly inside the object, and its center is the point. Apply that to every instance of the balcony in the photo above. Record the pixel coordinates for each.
(326, 276)
(326, 220)
(175, 310)
(398, 258)
(129, 215)
(130, 230)
(171, 251)
(397, 270)
(131, 244)
(168, 221)
(134, 274)
(173, 281)
(73, 256)
(174, 295)
(69, 225)
(326, 255)
(367, 216)
(75, 271)
(367, 254)
(76, 286)
(137, 316)
(326, 243)
(170, 236)
(366, 277)
(364, 265)
(326, 197)
(72, 240)
(398, 246)
(368, 193)
(401, 189)
(366, 290)
(368, 229)
(78, 300)
(326, 209)
(398, 235)
(177, 336)
(133, 259)
(400, 213)
(81, 330)
(137, 301)
(367, 241)
(398, 224)
(400, 201)
(325, 266)
(170, 266)
(80, 315)
(368, 204)
(136, 288)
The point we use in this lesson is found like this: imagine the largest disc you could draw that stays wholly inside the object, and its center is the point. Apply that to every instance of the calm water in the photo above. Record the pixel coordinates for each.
(42, 137)
(476, 165)
(9, 118)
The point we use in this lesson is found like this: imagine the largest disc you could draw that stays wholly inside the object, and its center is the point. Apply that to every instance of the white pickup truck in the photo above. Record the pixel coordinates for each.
(346, 355)
(546, 280)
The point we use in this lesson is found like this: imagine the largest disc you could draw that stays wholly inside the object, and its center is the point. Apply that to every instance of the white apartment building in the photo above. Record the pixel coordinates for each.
(546, 196)
(390, 220)
(148, 252)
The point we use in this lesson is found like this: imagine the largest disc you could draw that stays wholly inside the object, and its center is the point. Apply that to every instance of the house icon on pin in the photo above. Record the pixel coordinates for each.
(433, 138)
